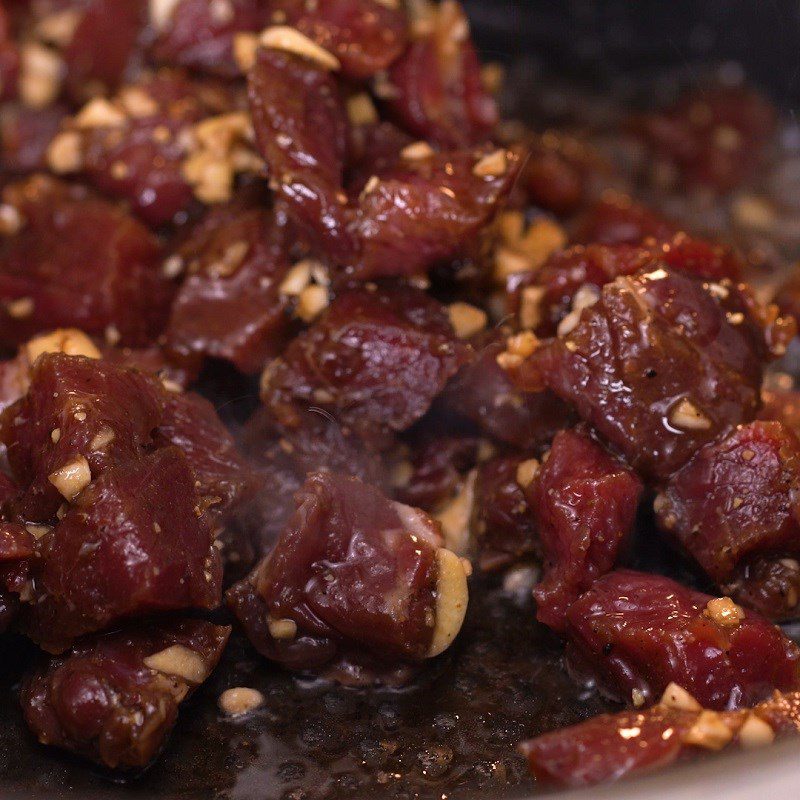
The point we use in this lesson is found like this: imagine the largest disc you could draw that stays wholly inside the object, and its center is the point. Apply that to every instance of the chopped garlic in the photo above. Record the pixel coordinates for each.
(180, 662)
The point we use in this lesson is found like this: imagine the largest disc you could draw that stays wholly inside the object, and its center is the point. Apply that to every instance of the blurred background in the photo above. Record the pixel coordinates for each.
(607, 40)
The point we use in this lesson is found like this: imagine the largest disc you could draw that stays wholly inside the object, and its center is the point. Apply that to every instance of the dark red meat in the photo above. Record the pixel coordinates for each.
(435, 469)
(584, 504)
(613, 746)
(9, 58)
(76, 407)
(25, 134)
(425, 211)
(435, 86)
(130, 544)
(301, 128)
(594, 265)
(78, 261)
(376, 359)
(503, 522)
(199, 34)
(734, 508)
(190, 422)
(715, 136)
(142, 159)
(353, 572)
(483, 393)
(230, 305)
(660, 365)
(636, 631)
(102, 701)
(609, 747)
(282, 456)
(781, 405)
(412, 215)
(102, 46)
(365, 35)
(616, 219)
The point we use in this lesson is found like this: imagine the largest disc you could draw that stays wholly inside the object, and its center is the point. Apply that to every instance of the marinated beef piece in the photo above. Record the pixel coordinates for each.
(365, 36)
(503, 521)
(301, 128)
(16, 550)
(434, 469)
(281, 458)
(616, 219)
(416, 212)
(80, 417)
(734, 509)
(556, 172)
(429, 209)
(787, 298)
(542, 299)
(436, 91)
(660, 365)
(613, 746)
(102, 45)
(222, 477)
(584, 504)
(142, 145)
(86, 578)
(352, 573)
(230, 306)
(714, 136)
(174, 370)
(75, 260)
(373, 148)
(15, 373)
(483, 393)
(635, 633)
(115, 698)
(781, 403)
(200, 35)
(376, 359)
(9, 58)
(25, 134)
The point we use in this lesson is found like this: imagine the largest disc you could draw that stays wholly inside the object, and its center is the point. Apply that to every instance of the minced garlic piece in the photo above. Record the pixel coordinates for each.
(180, 662)
(20, 308)
(678, 699)
(313, 300)
(724, 612)
(99, 113)
(709, 731)
(688, 417)
(240, 700)
(361, 110)
(527, 472)
(452, 597)
(72, 478)
(65, 153)
(755, 732)
(41, 70)
(160, 12)
(282, 628)
(530, 306)
(70, 341)
(492, 165)
(417, 151)
(456, 516)
(58, 28)
(245, 46)
(466, 319)
(284, 37)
